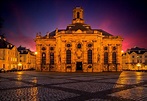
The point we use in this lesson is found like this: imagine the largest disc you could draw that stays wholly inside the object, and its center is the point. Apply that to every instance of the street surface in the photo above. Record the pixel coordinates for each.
(51, 86)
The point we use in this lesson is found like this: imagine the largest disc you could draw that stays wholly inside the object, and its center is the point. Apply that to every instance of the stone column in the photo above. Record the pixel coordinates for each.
(110, 57)
(38, 57)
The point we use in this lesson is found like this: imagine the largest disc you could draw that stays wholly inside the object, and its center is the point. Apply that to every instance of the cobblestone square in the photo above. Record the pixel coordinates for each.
(53, 86)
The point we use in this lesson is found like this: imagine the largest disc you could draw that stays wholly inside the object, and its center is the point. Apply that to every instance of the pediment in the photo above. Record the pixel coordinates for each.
(78, 31)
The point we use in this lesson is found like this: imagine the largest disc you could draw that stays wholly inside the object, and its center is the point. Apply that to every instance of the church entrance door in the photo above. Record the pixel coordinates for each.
(79, 66)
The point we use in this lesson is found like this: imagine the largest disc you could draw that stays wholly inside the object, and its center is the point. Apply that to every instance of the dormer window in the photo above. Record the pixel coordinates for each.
(87, 27)
(7, 46)
(139, 51)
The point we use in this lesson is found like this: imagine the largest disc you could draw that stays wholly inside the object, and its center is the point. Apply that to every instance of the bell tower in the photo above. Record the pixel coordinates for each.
(77, 15)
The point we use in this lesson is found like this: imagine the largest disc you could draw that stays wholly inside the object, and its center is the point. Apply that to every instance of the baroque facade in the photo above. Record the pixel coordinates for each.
(78, 48)
(135, 59)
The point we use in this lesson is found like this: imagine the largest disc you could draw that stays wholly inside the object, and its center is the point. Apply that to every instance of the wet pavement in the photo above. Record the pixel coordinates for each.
(50, 86)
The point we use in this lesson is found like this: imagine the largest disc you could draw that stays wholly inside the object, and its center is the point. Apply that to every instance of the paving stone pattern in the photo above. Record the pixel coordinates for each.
(53, 86)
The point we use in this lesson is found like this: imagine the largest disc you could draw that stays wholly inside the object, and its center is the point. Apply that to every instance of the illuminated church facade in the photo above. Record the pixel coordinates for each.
(78, 48)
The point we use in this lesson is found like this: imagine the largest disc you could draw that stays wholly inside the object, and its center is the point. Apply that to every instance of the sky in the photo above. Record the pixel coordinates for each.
(24, 18)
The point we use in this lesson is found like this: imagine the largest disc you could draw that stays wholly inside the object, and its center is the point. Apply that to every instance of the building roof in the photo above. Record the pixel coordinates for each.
(137, 50)
(76, 26)
(104, 32)
(5, 44)
(22, 50)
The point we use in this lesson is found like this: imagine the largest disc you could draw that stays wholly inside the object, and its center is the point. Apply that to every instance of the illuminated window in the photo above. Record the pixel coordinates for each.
(114, 57)
(52, 58)
(89, 56)
(43, 58)
(106, 58)
(68, 56)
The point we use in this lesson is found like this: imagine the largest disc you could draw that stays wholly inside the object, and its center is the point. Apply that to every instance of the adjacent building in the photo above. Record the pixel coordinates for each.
(8, 54)
(12, 57)
(26, 58)
(78, 48)
(135, 59)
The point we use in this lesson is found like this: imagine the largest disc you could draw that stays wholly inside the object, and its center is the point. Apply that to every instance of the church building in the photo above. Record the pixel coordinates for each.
(78, 48)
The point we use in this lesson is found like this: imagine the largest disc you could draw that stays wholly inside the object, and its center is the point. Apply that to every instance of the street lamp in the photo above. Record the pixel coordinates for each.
(36, 53)
(35, 59)
(122, 51)
(138, 65)
(20, 65)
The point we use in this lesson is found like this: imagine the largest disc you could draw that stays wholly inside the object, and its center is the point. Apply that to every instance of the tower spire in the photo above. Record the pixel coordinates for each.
(78, 15)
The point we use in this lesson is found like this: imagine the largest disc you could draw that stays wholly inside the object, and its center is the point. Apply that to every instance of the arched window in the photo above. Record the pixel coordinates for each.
(51, 58)
(114, 57)
(78, 15)
(68, 56)
(89, 56)
(43, 58)
(106, 58)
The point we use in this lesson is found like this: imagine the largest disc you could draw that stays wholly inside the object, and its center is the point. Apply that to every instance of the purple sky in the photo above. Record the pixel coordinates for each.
(24, 18)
